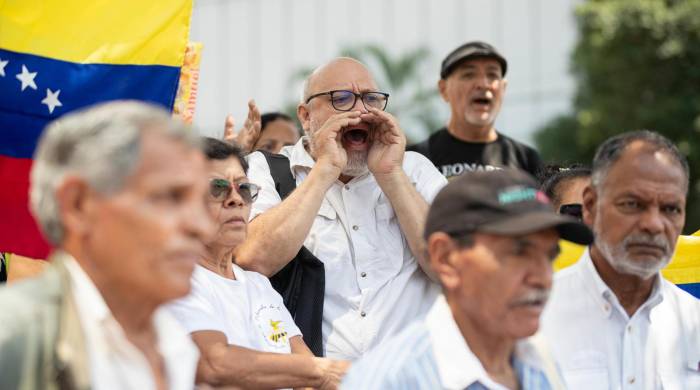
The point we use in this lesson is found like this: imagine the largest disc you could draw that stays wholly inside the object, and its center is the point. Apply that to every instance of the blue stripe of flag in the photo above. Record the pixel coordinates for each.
(692, 288)
(23, 116)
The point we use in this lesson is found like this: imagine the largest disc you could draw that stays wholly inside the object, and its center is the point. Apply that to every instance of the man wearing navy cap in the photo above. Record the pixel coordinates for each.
(472, 82)
(491, 239)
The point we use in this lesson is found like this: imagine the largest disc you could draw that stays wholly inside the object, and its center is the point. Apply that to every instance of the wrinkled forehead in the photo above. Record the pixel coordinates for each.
(342, 74)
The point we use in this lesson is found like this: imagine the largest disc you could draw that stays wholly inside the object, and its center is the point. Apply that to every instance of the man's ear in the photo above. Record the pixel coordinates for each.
(590, 199)
(440, 248)
(442, 88)
(73, 197)
(304, 116)
(504, 82)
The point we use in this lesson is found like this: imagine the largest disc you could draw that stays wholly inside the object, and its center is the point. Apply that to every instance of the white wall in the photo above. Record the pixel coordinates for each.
(252, 46)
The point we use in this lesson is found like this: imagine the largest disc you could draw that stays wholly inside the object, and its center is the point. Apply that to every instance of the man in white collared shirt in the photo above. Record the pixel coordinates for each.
(613, 321)
(491, 239)
(119, 189)
(359, 206)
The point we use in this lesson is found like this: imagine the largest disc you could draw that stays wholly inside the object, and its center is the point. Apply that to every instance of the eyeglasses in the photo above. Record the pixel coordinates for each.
(220, 190)
(574, 210)
(345, 100)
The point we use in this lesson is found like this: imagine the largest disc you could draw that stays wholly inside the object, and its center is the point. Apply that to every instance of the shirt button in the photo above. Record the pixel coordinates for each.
(363, 314)
(347, 187)
(363, 274)
(630, 380)
(629, 328)
(355, 227)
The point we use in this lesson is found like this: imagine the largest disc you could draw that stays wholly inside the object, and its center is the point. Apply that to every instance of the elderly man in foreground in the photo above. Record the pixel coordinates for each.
(119, 190)
(491, 239)
(614, 322)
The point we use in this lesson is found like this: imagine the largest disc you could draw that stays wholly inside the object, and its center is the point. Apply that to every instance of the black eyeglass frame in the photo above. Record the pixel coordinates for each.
(253, 190)
(354, 102)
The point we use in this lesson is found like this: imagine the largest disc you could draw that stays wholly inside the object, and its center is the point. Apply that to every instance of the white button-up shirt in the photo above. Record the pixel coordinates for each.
(374, 286)
(115, 363)
(598, 346)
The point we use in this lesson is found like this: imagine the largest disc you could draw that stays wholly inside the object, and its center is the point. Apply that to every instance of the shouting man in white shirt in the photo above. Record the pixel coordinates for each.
(120, 190)
(614, 322)
(359, 206)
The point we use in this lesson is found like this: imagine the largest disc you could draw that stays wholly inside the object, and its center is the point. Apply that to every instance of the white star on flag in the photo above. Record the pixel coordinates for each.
(51, 100)
(27, 78)
(2, 67)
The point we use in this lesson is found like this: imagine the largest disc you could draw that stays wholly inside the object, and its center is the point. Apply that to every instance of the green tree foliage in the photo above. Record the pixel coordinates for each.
(637, 66)
(415, 104)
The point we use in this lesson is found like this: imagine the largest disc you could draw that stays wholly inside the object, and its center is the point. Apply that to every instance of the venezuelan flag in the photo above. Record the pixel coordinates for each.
(60, 55)
(683, 270)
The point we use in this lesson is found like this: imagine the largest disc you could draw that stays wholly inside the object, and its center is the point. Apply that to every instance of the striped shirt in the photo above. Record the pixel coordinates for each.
(432, 354)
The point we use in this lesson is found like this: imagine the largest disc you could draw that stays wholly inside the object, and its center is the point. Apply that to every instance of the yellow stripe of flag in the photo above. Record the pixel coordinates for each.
(139, 32)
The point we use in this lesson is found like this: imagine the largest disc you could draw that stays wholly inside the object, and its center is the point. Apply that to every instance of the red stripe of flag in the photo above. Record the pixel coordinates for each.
(14, 211)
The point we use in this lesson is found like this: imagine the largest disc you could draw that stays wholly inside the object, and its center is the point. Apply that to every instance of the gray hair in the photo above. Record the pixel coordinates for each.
(611, 150)
(100, 144)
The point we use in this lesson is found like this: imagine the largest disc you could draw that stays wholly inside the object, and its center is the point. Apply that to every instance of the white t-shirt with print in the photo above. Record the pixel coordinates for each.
(247, 310)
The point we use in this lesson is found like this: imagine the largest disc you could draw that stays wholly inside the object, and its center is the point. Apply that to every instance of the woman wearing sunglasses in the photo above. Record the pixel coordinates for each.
(245, 335)
(564, 186)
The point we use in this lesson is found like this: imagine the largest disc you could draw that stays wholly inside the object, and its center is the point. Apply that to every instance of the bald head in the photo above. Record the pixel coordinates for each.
(338, 73)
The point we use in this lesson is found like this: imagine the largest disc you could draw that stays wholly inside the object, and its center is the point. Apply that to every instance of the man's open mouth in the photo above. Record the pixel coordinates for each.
(482, 102)
(355, 138)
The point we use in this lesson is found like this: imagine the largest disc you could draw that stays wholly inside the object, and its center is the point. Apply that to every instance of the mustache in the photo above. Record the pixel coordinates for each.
(658, 240)
(533, 296)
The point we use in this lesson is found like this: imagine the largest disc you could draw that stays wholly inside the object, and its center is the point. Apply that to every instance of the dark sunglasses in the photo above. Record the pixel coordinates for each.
(220, 190)
(574, 210)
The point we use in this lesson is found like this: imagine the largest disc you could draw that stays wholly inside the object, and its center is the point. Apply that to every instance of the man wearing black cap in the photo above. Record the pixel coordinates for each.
(472, 82)
(491, 238)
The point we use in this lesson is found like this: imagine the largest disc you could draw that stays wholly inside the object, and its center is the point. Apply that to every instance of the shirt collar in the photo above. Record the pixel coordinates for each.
(298, 156)
(604, 296)
(458, 367)
(175, 346)
(90, 302)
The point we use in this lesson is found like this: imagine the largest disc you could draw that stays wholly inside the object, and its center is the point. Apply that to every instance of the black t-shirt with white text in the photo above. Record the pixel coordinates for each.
(452, 156)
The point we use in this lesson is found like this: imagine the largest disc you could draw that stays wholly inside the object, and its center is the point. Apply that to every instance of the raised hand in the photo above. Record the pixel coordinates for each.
(388, 143)
(248, 135)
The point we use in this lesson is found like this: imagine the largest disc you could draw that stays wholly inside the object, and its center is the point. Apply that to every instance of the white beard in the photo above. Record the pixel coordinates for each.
(357, 163)
(618, 257)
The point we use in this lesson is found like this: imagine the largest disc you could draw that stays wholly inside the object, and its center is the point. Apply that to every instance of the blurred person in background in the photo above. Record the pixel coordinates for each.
(270, 131)
(564, 186)
(472, 81)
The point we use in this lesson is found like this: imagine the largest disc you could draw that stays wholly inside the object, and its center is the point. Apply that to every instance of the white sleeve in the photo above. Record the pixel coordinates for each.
(259, 173)
(427, 179)
(272, 296)
(197, 311)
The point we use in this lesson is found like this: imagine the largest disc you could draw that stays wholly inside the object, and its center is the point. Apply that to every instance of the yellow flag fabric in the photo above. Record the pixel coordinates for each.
(81, 31)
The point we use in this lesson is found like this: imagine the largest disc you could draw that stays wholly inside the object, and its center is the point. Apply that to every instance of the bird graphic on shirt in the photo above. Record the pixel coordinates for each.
(278, 335)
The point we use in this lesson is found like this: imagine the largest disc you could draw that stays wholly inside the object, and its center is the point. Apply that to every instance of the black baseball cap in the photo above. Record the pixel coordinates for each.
(470, 50)
(504, 202)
